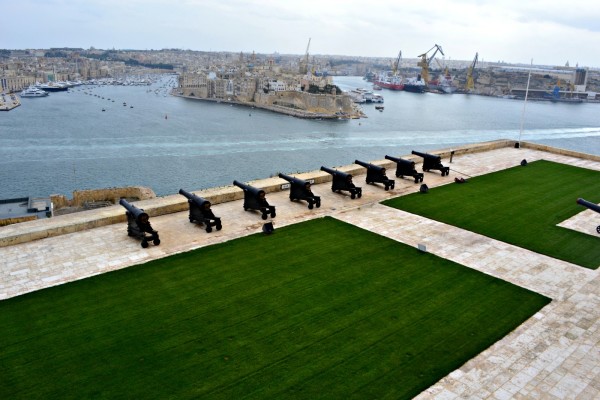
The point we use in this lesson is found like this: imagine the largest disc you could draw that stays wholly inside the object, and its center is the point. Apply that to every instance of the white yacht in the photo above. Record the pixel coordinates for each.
(33, 92)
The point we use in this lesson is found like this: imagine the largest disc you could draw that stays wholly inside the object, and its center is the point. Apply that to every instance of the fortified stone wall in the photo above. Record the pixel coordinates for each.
(321, 103)
(81, 197)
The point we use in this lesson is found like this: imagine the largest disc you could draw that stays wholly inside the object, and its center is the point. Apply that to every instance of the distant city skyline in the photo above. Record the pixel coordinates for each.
(549, 32)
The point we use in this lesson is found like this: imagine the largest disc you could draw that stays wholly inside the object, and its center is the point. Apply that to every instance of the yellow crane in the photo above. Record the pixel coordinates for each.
(304, 63)
(470, 85)
(396, 64)
(424, 63)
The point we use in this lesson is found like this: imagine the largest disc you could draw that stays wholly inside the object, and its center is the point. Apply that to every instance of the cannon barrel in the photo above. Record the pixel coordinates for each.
(588, 204)
(199, 201)
(425, 155)
(186, 194)
(138, 214)
(329, 170)
(370, 166)
(336, 172)
(247, 188)
(364, 164)
(394, 159)
(292, 179)
(241, 185)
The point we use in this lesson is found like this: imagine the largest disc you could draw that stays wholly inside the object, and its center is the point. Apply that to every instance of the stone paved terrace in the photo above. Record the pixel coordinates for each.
(553, 355)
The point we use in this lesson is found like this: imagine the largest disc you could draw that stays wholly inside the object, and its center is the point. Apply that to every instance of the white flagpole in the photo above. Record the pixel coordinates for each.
(525, 103)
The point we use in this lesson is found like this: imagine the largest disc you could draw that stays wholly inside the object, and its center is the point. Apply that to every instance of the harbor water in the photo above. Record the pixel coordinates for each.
(110, 136)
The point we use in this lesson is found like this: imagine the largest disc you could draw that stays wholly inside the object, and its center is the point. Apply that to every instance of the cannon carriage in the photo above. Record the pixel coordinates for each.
(406, 168)
(591, 206)
(200, 211)
(300, 190)
(431, 161)
(376, 174)
(138, 224)
(342, 181)
(255, 199)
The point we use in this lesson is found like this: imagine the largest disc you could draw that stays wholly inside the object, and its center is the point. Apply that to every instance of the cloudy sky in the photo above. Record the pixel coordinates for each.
(550, 32)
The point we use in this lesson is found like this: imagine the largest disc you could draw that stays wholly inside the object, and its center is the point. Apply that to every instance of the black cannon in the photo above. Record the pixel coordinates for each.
(376, 174)
(254, 199)
(200, 211)
(591, 206)
(343, 181)
(138, 224)
(300, 190)
(431, 161)
(406, 168)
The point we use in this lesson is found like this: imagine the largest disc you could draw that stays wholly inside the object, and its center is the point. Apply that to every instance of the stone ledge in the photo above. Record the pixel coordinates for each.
(39, 229)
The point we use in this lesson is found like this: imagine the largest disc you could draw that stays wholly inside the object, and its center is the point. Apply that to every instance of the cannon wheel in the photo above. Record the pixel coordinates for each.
(598, 229)
(264, 216)
(352, 196)
(393, 185)
(144, 244)
(318, 204)
(273, 214)
(386, 187)
(156, 242)
(310, 206)
(219, 227)
(208, 228)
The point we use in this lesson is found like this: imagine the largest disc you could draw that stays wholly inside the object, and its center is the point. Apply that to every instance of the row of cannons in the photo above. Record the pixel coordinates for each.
(138, 224)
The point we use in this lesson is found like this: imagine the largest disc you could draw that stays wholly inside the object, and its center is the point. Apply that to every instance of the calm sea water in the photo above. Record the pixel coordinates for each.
(65, 142)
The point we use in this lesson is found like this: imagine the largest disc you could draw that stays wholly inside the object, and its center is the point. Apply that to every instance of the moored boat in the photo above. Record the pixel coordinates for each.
(392, 82)
(444, 84)
(51, 87)
(33, 92)
(415, 85)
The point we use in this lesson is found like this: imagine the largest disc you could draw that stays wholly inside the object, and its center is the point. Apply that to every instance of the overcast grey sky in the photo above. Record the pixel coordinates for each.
(549, 32)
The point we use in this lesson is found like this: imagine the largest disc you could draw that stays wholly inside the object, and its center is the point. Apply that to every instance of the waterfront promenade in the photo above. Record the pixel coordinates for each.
(553, 355)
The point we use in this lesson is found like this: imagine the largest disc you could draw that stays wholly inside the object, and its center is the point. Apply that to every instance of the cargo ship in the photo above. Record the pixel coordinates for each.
(444, 84)
(392, 82)
(415, 85)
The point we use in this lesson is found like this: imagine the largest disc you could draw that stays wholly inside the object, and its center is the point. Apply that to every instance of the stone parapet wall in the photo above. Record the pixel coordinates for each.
(17, 220)
(81, 197)
(42, 228)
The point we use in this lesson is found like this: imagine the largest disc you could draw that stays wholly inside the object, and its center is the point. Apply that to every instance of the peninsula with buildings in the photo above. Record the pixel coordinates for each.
(297, 85)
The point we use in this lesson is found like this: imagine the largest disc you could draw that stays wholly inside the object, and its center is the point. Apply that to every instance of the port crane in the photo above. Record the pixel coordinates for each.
(424, 63)
(470, 82)
(304, 63)
(396, 64)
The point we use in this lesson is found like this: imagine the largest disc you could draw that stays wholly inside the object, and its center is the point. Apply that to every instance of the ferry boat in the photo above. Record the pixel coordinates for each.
(33, 92)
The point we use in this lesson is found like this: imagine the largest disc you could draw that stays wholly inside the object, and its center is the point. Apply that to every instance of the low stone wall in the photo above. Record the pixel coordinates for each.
(81, 197)
(17, 220)
(38, 229)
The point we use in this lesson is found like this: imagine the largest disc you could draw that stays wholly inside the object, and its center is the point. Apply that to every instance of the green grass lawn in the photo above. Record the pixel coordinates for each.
(320, 309)
(520, 206)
